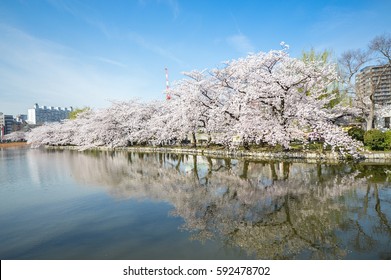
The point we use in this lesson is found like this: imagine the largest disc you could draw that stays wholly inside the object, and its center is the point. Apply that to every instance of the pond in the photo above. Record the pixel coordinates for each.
(123, 205)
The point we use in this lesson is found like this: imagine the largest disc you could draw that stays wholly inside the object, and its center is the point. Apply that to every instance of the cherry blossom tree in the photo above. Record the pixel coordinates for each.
(16, 136)
(273, 98)
(262, 98)
(196, 104)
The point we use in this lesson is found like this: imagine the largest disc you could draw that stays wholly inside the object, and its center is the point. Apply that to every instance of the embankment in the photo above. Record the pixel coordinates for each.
(13, 144)
(307, 155)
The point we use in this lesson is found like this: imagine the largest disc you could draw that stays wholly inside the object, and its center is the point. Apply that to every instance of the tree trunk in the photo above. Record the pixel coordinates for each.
(246, 145)
(245, 170)
(371, 117)
(286, 169)
(210, 165)
(195, 167)
(193, 136)
(273, 171)
(228, 163)
(209, 140)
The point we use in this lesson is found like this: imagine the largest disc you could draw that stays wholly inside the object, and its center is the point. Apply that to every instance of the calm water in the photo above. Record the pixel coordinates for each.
(103, 205)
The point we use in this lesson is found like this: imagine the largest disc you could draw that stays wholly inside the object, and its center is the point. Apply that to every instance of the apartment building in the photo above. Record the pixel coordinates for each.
(39, 115)
(377, 79)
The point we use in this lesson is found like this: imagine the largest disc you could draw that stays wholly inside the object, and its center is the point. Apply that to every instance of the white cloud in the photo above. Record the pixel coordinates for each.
(35, 70)
(111, 62)
(241, 43)
(142, 42)
(84, 12)
(174, 6)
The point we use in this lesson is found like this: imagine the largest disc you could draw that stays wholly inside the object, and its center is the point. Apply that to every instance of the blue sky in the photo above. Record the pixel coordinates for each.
(86, 53)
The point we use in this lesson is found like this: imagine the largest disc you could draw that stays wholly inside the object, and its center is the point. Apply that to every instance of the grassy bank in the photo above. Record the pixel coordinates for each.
(13, 144)
(308, 156)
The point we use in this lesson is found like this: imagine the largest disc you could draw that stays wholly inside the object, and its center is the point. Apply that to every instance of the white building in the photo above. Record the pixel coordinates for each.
(383, 117)
(39, 115)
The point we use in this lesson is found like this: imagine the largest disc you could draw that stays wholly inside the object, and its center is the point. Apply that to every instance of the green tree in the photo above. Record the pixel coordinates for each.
(312, 55)
(326, 56)
(357, 133)
(73, 115)
(387, 140)
(374, 139)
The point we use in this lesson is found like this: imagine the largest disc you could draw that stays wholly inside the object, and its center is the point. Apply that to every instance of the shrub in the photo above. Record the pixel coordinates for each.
(374, 139)
(357, 133)
(387, 140)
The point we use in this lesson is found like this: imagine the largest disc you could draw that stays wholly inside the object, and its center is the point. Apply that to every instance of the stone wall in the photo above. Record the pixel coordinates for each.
(308, 156)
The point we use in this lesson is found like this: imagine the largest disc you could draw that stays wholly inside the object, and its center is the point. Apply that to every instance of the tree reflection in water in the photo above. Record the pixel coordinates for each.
(270, 209)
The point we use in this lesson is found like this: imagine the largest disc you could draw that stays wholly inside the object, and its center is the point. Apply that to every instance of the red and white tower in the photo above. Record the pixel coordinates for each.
(168, 96)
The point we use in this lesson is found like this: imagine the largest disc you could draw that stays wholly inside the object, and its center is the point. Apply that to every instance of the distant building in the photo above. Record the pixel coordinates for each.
(21, 118)
(367, 79)
(377, 79)
(20, 123)
(6, 123)
(39, 115)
